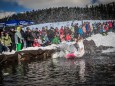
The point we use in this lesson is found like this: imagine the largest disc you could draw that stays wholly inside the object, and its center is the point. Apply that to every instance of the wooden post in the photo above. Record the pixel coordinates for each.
(19, 57)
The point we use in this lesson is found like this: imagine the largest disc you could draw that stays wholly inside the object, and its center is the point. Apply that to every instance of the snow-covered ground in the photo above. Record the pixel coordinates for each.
(64, 23)
(109, 50)
(53, 46)
(108, 40)
(99, 39)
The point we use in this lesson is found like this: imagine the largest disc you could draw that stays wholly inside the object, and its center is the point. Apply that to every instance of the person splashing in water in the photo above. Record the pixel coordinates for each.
(79, 51)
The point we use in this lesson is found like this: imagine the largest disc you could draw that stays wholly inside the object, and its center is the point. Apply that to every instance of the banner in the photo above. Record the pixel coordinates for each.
(12, 23)
(2, 24)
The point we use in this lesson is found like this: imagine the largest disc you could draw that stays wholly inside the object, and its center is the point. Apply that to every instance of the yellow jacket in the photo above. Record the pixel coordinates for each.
(6, 40)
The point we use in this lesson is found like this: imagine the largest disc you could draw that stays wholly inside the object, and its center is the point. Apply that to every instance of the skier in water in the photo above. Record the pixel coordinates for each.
(70, 50)
(81, 50)
(78, 49)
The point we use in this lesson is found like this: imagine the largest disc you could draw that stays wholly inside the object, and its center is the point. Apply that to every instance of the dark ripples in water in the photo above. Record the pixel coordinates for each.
(63, 72)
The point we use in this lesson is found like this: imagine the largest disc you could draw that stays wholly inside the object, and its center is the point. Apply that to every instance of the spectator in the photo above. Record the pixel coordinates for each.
(29, 38)
(18, 39)
(6, 40)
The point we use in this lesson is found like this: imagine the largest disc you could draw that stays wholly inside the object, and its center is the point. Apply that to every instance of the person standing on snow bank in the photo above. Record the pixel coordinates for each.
(18, 39)
(12, 35)
(6, 41)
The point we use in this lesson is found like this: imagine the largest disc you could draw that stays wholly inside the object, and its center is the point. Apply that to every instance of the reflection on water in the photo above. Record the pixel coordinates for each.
(61, 72)
(73, 66)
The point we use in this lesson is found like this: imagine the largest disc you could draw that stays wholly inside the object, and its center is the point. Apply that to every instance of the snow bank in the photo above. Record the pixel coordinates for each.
(8, 53)
(64, 23)
(109, 50)
(50, 47)
(99, 39)
(54, 24)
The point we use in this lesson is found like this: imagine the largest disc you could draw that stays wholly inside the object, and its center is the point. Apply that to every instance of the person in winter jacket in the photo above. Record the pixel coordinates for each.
(110, 25)
(62, 37)
(80, 31)
(106, 28)
(76, 29)
(1, 47)
(50, 34)
(36, 44)
(56, 40)
(36, 32)
(68, 37)
(61, 30)
(56, 31)
(18, 39)
(46, 40)
(12, 35)
(29, 38)
(95, 28)
(87, 27)
(84, 31)
(72, 28)
(101, 29)
(39, 40)
(6, 40)
(113, 26)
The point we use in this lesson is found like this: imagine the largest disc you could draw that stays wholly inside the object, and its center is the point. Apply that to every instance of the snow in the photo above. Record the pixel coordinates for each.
(53, 24)
(64, 23)
(99, 39)
(109, 50)
(8, 53)
(50, 47)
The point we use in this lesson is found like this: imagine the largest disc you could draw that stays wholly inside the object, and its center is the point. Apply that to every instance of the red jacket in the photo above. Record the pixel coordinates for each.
(106, 28)
(68, 37)
(36, 44)
(61, 31)
(110, 25)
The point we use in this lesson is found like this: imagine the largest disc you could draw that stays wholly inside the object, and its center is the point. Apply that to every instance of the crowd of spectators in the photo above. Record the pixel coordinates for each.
(9, 40)
(99, 12)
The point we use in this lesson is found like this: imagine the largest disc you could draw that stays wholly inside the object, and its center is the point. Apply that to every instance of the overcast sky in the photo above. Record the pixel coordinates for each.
(24, 5)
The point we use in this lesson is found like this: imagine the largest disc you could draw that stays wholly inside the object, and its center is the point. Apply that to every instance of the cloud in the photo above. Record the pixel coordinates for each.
(40, 4)
(5, 14)
(106, 1)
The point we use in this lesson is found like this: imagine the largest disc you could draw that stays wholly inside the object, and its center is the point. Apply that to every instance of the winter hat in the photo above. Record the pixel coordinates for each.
(18, 29)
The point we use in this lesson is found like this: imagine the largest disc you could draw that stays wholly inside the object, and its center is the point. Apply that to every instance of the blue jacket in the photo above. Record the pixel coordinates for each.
(87, 27)
(80, 31)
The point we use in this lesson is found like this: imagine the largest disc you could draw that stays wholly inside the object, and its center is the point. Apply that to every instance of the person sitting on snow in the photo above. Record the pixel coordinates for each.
(36, 44)
(56, 40)
(39, 40)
